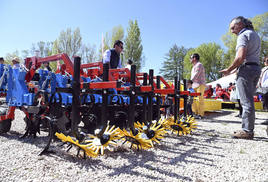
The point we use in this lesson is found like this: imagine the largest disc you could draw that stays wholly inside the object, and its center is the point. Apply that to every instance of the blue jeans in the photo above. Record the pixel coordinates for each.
(247, 79)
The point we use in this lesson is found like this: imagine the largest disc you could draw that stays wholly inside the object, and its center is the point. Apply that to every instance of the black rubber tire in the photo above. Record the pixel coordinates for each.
(5, 126)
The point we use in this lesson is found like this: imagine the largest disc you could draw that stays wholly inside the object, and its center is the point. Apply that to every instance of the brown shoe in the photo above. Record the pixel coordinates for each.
(241, 134)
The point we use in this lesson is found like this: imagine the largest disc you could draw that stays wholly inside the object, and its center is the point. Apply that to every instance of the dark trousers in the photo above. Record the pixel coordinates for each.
(240, 107)
(265, 101)
(189, 109)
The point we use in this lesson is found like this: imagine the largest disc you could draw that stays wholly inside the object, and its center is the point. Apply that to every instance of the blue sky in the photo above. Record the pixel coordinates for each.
(162, 23)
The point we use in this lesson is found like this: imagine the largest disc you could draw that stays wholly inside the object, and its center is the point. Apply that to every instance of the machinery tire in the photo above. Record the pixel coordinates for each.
(5, 126)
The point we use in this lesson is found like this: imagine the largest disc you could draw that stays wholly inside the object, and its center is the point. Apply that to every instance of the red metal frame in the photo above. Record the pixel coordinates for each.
(37, 62)
(96, 69)
(195, 94)
(102, 85)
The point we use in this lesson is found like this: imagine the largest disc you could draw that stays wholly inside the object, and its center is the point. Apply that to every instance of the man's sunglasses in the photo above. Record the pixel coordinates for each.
(120, 45)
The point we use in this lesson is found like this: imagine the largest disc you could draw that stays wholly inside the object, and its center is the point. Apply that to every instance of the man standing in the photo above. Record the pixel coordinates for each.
(112, 56)
(199, 84)
(248, 65)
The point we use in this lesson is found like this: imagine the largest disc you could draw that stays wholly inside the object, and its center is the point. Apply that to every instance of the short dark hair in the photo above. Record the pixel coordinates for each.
(129, 61)
(195, 55)
(1, 59)
(117, 42)
(190, 81)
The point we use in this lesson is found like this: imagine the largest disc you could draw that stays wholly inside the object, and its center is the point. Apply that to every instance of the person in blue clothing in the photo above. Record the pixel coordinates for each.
(190, 98)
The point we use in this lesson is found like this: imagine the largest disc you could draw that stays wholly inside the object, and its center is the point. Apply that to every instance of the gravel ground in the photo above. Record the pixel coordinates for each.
(209, 154)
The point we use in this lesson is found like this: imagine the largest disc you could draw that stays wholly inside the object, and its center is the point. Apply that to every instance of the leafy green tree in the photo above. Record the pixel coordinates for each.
(105, 44)
(211, 56)
(10, 56)
(55, 47)
(54, 50)
(44, 48)
(173, 64)
(133, 47)
(260, 23)
(117, 33)
(69, 42)
(88, 54)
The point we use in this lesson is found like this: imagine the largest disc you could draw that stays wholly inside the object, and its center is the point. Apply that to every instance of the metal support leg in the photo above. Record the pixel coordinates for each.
(104, 104)
(132, 94)
(185, 99)
(150, 96)
(176, 106)
(158, 98)
(76, 101)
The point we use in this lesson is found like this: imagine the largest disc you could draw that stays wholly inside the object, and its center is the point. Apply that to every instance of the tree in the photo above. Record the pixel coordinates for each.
(173, 65)
(69, 42)
(10, 56)
(43, 48)
(105, 45)
(88, 54)
(117, 33)
(25, 53)
(133, 47)
(260, 23)
(211, 56)
(55, 47)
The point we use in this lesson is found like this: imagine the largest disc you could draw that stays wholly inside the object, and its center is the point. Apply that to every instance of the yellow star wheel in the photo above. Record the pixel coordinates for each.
(154, 132)
(190, 123)
(139, 141)
(177, 128)
(165, 123)
(85, 147)
(98, 143)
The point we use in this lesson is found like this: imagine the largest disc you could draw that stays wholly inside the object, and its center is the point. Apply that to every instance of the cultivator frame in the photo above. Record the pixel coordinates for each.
(93, 108)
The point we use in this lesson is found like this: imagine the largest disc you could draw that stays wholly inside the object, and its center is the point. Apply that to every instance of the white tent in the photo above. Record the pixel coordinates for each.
(224, 81)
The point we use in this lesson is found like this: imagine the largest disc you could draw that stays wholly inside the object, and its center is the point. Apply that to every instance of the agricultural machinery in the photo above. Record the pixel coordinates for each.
(91, 106)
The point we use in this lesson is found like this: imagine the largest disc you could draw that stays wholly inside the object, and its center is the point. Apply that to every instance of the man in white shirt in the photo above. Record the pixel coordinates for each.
(112, 56)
